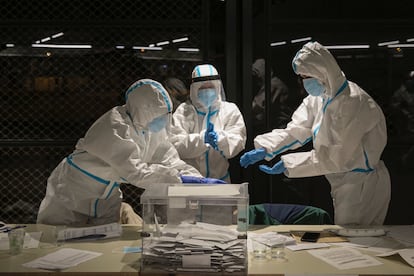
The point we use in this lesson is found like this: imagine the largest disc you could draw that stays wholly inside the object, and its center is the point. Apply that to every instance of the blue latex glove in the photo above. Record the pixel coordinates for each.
(196, 179)
(278, 168)
(211, 137)
(251, 157)
(208, 180)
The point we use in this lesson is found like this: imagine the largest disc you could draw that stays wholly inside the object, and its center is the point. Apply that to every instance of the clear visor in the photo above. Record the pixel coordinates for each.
(209, 84)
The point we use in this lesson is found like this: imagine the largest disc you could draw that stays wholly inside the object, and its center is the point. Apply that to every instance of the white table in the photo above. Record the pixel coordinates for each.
(110, 263)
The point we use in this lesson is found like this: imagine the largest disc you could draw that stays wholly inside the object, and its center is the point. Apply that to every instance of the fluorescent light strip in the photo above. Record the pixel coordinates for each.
(301, 39)
(277, 43)
(57, 35)
(120, 47)
(410, 40)
(146, 48)
(388, 43)
(347, 47)
(9, 45)
(163, 43)
(179, 40)
(45, 39)
(188, 49)
(62, 46)
(401, 46)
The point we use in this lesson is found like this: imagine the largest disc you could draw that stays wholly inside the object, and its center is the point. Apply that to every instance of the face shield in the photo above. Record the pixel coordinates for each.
(206, 90)
(205, 93)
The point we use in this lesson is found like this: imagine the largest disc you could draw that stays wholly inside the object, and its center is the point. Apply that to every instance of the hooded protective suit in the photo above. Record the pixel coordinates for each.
(84, 187)
(348, 132)
(191, 121)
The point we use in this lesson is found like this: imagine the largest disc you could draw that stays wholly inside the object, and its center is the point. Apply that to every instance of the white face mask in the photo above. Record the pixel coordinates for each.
(207, 96)
(158, 123)
(313, 86)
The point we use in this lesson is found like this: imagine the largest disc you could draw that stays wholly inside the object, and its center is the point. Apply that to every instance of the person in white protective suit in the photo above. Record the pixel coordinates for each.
(208, 130)
(127, 144)
(348, 132)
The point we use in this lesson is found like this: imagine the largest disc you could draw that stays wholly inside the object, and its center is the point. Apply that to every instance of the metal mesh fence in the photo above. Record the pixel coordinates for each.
(65, 63)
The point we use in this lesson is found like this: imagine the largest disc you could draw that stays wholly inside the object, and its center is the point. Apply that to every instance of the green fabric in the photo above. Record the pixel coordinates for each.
(308, 216)
(312, 215)
(258, 216)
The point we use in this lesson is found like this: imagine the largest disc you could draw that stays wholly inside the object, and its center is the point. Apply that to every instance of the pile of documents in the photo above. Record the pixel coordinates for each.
(195, 247)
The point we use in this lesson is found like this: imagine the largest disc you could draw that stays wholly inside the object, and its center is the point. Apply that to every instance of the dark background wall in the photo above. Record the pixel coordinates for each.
(49, 97)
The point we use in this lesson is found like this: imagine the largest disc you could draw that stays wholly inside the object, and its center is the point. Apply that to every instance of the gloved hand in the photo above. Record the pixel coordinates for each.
(252, 157)
(196, 179)
(208, 180)
(278, 168)
(211, 137)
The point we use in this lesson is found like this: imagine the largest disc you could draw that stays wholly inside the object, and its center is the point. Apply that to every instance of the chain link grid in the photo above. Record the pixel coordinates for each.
(49, 97)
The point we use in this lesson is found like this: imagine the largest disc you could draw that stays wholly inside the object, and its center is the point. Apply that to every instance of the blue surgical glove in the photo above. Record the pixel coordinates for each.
(208, 180)
(196, 179)
(211, 137)
(190, 179)
(251, 157)
(278, 168)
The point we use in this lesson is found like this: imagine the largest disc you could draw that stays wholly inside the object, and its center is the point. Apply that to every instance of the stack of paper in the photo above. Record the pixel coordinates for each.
(62, 259)
(272, 239)
(195, 247)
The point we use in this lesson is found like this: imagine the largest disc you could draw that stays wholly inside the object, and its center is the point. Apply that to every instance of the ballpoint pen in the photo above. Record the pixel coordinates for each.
(8, 229)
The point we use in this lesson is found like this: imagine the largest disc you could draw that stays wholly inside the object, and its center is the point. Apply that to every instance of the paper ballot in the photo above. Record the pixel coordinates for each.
(195, 247)
(62, 259)
(407, 254)
(93, 232)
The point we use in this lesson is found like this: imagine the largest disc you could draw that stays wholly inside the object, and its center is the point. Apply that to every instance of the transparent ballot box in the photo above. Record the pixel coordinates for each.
(195, 228)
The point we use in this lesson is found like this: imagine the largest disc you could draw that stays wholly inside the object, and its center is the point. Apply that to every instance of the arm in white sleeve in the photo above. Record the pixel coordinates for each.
(341, 142)
(188, 144)
(110, 140)
(232, 138)
(297, 133)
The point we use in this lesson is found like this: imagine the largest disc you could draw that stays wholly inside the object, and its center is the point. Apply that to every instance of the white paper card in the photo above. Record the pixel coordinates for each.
(196, 260)
(344, 258)
(306, 246)
(63, 258)
(407, 254)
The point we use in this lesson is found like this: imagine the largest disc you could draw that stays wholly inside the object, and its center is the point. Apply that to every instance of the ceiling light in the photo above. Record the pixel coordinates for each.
(146, 48)
(188, 49)
(301, 39)
(163, 43)
(277, 43)
(347, 47)
(179, 39)
(388, 43)
(57, 35)
(401, 46)
(62, 46)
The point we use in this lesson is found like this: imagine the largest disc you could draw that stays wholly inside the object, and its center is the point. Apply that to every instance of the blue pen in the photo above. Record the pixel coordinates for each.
(8, 229)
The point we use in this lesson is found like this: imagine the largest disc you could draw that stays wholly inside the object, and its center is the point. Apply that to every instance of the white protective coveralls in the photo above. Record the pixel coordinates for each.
(348, 132)
(84, 187)
(190, 122)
